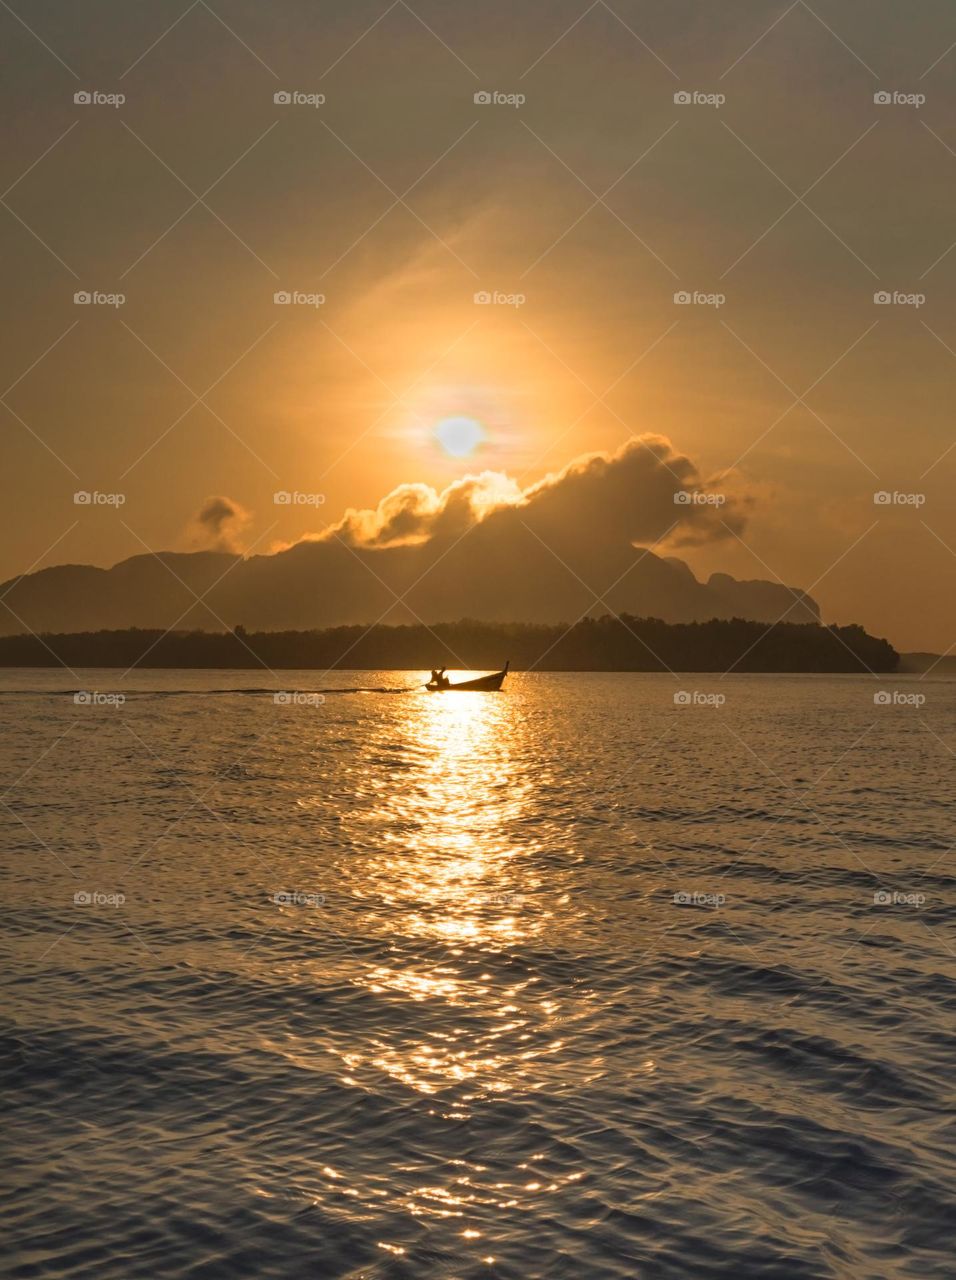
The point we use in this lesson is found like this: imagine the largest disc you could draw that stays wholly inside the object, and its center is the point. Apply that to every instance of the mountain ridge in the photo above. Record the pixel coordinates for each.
(316, 584)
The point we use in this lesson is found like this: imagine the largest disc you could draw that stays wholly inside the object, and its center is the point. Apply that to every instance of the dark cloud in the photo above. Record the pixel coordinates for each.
(218, 525)
(632, 496)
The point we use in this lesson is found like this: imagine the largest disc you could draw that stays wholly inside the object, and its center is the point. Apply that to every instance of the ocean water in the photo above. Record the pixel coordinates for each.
(575, 980)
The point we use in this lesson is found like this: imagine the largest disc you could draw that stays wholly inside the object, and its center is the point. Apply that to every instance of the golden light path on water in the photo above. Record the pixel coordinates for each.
(458, 863)
(450, 880)
(449, 875)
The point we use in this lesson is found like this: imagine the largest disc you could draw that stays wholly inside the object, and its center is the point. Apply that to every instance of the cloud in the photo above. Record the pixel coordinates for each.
(595, 537)
(643, 493)
(218, 524)
(413, 513)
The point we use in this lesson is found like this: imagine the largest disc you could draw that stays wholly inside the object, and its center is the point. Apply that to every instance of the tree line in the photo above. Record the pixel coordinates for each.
(609, 643)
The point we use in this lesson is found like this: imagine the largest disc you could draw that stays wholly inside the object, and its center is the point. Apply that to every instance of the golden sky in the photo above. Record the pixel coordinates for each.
(782, 198)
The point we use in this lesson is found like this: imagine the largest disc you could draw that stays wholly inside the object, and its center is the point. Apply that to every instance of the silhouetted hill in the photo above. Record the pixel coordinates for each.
(593, 644)
(498, 572)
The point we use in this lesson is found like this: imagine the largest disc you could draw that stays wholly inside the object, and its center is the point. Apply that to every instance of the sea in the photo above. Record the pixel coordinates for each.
(602, 977)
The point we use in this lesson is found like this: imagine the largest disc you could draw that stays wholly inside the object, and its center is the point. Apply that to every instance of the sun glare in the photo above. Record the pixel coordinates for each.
(459, 437)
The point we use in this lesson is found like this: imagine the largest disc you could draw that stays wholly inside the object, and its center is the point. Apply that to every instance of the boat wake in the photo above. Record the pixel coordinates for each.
(205, 693)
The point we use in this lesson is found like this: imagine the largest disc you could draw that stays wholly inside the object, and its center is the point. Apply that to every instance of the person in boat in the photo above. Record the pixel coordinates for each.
(443, 681)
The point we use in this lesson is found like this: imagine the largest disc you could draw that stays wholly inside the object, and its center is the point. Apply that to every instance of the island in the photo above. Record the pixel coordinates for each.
(607, 643)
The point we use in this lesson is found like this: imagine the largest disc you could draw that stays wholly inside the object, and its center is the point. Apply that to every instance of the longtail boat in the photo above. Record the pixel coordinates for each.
(483, 684)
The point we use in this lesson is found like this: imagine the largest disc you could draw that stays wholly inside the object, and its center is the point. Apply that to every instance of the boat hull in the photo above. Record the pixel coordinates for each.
(484, 684)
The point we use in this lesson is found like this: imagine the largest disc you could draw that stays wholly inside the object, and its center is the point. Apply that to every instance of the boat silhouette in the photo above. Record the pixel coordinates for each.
(483, 684)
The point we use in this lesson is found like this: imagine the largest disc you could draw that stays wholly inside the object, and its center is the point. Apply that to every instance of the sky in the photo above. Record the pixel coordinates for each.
(727, 225)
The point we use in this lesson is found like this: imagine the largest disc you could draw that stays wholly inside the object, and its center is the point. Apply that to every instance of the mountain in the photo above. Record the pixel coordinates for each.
(330, 583)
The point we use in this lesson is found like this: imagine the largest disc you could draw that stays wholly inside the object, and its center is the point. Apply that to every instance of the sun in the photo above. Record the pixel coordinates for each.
(459, 437)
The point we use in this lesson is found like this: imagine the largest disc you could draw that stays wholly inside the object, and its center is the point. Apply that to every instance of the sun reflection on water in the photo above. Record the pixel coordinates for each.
(449, 867)
(459, 889)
